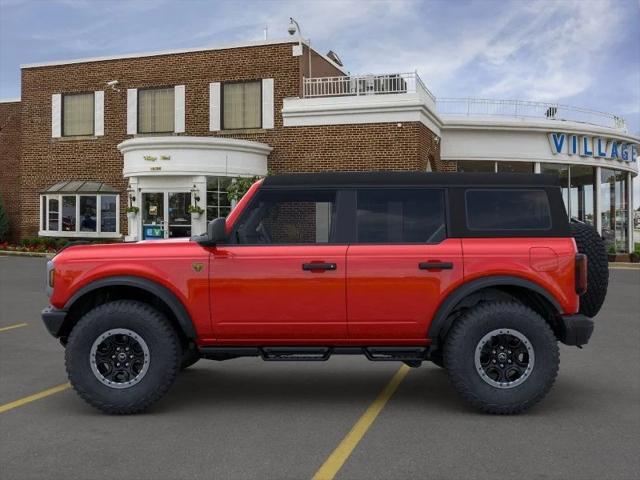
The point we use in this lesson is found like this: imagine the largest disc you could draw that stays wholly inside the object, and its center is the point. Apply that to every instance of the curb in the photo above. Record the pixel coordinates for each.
(11, 253)
(625, 265)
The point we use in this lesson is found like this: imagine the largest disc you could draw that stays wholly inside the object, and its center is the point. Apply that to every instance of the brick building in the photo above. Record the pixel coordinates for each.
(159, 132)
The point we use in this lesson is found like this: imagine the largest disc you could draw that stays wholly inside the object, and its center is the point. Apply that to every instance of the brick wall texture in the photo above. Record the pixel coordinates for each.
(10, 162)
(46, 160)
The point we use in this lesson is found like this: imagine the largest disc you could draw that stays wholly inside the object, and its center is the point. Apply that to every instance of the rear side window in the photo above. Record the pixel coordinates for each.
(288, 217)
(400, 216)
(504, 209)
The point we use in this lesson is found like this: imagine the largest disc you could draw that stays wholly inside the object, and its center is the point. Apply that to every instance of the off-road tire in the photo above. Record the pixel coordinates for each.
(164, 356)
(464, 338)
(190, 355)
(591, 244)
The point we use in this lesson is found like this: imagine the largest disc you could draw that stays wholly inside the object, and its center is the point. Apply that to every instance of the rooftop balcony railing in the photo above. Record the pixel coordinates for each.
(356, 85)
(478, 107)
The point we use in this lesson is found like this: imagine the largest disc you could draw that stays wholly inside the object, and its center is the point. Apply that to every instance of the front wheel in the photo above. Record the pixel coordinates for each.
(502, 357)
(123, 356)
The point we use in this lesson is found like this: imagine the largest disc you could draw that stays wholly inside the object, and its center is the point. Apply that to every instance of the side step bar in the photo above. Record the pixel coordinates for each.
(317, 354)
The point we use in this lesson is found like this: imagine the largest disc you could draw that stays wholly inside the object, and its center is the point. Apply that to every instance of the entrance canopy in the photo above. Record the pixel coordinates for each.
(80, 186)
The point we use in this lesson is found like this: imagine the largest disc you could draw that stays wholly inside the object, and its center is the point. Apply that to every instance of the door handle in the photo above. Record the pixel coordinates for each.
(435, 265)
(319, 266)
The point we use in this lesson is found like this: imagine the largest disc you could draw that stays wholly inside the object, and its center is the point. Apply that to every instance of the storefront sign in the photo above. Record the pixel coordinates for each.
(589, 146)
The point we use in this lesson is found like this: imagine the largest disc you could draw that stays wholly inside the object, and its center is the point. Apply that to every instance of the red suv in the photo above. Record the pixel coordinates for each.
(480, 274)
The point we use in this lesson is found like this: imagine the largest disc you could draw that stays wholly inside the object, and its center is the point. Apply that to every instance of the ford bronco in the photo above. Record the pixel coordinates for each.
(481, 274)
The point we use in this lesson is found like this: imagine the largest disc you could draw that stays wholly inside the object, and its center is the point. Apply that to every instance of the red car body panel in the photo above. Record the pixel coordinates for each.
(531, 259)
(388, 295)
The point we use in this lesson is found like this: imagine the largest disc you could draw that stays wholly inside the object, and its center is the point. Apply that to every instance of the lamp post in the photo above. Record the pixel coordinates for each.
(293, 28)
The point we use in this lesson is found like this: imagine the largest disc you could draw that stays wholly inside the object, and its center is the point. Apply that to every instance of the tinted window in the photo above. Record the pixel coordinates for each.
(400, 216)
(288, 217)
(502, 209)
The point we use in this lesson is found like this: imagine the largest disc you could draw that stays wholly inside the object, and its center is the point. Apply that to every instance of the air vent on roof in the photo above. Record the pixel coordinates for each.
(334, 57)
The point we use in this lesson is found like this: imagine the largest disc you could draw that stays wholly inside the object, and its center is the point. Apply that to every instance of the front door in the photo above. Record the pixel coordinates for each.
(400, 265)
(165, 215)
(282, 276)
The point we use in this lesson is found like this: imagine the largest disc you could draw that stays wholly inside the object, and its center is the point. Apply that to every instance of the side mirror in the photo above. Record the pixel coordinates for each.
(217, 230)
(216, 233)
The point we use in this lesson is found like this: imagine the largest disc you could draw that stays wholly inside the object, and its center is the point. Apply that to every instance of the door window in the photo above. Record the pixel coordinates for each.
(288, 217)
(400, 216)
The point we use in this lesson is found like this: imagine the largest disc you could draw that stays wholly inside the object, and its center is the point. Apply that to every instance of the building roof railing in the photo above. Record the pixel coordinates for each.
(370, 84)
(480, 107)
(398, 83)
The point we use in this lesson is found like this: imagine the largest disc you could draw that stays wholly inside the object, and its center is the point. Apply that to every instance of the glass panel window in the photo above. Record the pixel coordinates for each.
(288, 217)
(156, 110)
(242, 105)
(53, 213)
(400, 216)
(88, 213)
(218, 204)
(503, 209)
(471, 166)
(562, 171)
(69, 213)
(108, 218)
(614, 210)
(515, 167)
(582, 203)
(77, 114)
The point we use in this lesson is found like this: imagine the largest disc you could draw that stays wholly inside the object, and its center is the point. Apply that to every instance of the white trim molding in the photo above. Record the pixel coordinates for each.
(179, 108)
(132, 111)
(56, 115)
(98, 113)
(182, 155)
(214, 107)
(267, 103)
(391, 108)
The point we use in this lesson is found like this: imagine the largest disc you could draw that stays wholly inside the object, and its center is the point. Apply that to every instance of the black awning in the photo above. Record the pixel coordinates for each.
(80, 187)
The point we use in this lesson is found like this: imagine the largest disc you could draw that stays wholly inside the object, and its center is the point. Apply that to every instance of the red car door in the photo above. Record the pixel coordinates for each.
(281, 278)
(400, 266)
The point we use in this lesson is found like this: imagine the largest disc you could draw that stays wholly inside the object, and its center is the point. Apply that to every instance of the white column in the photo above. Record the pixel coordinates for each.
(199, 226)
(134, 223)
(629, 212)
(597, 198)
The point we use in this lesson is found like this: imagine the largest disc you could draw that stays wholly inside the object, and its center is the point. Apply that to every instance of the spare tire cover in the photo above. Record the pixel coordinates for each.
(589, 242)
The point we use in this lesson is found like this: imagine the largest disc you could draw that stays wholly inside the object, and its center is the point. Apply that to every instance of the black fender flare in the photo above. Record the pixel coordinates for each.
(154, 288)
(441, 321)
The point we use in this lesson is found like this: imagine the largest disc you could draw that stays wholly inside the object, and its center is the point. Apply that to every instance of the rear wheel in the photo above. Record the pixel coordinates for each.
(502, 357)
(122, 356)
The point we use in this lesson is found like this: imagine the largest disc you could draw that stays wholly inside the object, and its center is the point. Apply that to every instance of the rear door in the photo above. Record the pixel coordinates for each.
(282, 277)
(400, 265)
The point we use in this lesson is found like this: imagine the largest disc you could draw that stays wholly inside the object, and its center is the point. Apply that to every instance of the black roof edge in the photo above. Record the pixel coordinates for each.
(410, 178)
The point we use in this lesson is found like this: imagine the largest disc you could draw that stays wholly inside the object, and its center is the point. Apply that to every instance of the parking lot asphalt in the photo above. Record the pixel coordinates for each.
(248, 419)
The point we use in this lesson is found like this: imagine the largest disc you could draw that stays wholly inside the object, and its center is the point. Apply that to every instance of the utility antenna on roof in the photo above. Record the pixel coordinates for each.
(266, 32)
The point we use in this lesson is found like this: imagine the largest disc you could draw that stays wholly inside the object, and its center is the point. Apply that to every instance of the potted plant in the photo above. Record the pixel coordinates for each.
(195, 211)
(132, 212)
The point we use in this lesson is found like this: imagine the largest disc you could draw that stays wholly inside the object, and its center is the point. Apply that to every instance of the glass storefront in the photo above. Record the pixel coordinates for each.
(218, 204)
(582, 193)
(515, 167)
(476, 166)
(614, 209)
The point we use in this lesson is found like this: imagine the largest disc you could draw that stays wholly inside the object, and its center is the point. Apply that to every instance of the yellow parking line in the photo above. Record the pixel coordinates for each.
(334, 463)
(11, 327)
(32, 398)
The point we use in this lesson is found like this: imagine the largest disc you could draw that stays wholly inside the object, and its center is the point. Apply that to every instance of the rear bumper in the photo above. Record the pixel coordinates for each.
(575, 330)
(54, 320)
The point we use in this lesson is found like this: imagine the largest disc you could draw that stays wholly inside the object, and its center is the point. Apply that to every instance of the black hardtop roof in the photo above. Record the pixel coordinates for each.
(330, 179)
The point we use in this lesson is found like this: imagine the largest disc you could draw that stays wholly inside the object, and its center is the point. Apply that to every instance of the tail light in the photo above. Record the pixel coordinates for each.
(581, 273)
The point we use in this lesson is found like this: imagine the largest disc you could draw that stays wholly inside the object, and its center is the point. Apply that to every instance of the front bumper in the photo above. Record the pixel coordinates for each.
(575, 330)
(54, 320)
